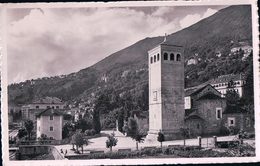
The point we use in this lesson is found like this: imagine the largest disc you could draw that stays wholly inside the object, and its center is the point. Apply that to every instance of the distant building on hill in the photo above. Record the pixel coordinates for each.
(221, 83)
(50, 122)
(192, 61)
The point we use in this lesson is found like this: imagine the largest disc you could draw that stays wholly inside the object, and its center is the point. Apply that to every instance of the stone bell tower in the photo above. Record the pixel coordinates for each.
(166, 90)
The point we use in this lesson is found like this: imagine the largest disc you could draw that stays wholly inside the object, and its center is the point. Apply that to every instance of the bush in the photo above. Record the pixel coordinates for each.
(223, 131)
(233, 130)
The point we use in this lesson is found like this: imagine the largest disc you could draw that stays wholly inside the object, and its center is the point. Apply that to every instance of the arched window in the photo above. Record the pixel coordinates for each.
(151, 60)
(178, 57)
(154, 58)
(172, 57)
(158, 57)
(165, 56)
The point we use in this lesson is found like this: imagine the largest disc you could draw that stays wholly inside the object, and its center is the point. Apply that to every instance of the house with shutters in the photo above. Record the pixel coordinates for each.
(50, 122)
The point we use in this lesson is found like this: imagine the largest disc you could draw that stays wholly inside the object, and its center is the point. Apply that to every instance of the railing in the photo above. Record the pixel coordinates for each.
(40, 142)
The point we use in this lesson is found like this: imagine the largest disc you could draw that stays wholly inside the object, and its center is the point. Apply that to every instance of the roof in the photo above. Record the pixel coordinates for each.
(49, 112)
(195, 89)
(227, 78)
(167, 42)
(48, 100)
(234, 110)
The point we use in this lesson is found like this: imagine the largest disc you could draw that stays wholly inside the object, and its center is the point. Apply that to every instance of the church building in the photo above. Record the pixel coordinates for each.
(166, 90)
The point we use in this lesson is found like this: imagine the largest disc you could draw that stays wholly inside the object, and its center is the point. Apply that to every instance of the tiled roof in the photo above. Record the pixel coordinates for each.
(234, 110)
(227, 78)
(191, 90)
(50, 111)
(48, 100)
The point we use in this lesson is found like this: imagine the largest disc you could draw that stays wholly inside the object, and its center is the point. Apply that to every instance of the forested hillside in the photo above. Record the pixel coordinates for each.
(126, 71)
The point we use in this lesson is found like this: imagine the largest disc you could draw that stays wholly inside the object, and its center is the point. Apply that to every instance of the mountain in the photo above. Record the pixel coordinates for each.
(127, 71)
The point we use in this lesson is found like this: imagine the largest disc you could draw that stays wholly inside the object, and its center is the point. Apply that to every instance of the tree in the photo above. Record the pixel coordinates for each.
(96, 121)
(232, 97)
(138, 137)
(111, 141)
(160, 138)
(21, 133)
(79, 141)
(132, 127)
(134, 132)
(65, 131)
(28, 124)
(84, 124)
(120, 120)
(185, 134)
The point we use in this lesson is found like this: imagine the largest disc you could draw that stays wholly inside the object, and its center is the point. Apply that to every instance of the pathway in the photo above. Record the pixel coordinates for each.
(98, 144)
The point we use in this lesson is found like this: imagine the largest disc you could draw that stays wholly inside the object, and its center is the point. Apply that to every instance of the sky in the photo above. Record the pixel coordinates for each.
(44, 42)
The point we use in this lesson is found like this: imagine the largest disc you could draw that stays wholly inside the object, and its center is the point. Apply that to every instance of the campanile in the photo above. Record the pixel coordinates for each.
(166, 90)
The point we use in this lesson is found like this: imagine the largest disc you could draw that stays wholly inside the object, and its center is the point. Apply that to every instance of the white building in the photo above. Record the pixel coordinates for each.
(221, 83)
(49, 122)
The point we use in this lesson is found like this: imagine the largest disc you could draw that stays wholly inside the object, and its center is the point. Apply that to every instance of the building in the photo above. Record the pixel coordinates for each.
(30, 110)
(204, 109)
(238, 119)
(192, 61)
(166, 90)
(14, 112)
(50, 122)
(221, 83)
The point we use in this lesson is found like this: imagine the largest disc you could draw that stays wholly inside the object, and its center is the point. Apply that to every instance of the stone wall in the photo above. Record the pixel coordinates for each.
(33, 150)
(240, 121)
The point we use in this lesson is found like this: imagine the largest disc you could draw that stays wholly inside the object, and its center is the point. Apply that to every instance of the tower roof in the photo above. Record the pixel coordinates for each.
(168, 42)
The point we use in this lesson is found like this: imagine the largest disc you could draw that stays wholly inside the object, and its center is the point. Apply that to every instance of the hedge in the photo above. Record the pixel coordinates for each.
(176, 151)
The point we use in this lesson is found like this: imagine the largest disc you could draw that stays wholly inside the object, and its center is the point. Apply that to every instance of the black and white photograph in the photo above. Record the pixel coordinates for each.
(117, 82)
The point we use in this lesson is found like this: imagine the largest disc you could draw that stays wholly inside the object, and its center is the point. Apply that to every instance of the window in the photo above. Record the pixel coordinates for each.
(51, 117)
(37, 107)
(154, 58)
(231, 121)
(57, 107)
(48, 107)
(172, 57)
(218, 113)
(51, 128)
(154, 95)
(165, 56)
(178, 57)
(158, 57)
(151, 60)
(52, 107)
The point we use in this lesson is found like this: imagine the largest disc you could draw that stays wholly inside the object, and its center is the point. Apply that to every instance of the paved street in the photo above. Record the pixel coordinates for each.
(98, 144)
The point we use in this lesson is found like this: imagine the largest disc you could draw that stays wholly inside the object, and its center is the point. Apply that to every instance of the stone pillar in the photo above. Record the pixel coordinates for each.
(199, 139)
(215, 141)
